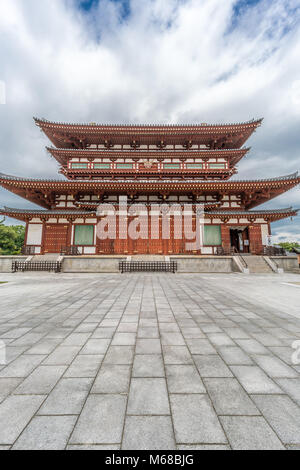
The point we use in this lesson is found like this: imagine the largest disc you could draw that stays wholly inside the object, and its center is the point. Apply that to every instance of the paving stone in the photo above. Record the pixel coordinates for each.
(190, 332)
(236, 333)
(195, 420)
(200, 346)
(254, 380)
(76, 339)
(86, 327)
(211, 328)
(148, 346)
(46, 433)
(62, 356)
(15, 413)
(184, 379)
(229, 398)
(172, 339)
(233, 355)
(284, 353)
(127, 327)
(148, 396)
(148, 433)
(220, 339)
(41, 381)
(282, 414)
(195, 315)
(22, 366)
(250, 433)
(109, 323)
(94, 447)
(103, 333)
(170, 327)
(251, 346)
(28, 340)
(144, 322)
(96, 346)
(7, 386)
(274, 367)
(15, 333)
(290, 386)
(67, 398)
(101, 420)
(211, 366)
(203, 447)
(119, 355)
(177, 355)
(13, 352)
(267, 339)
(60, 333)
(148, 332)
(44, 347)
(112, 379)
(85, 366)
(148, 365)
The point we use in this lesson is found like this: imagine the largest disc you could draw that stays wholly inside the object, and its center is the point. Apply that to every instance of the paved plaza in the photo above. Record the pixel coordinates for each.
(150, 361)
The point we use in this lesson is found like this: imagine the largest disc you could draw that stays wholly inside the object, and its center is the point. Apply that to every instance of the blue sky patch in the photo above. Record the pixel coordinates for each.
(87, 5)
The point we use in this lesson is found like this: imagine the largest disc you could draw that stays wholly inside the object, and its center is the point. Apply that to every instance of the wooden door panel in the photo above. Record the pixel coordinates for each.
(56, 236)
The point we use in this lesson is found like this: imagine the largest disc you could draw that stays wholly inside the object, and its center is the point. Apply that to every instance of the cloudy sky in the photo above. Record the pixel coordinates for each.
(152, 61)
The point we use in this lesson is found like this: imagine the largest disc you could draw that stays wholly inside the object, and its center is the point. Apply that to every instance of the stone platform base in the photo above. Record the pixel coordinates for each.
(186, 264)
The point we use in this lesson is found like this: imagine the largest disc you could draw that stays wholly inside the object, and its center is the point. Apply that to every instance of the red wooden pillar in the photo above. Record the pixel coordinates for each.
(225, 235)
(255, 239)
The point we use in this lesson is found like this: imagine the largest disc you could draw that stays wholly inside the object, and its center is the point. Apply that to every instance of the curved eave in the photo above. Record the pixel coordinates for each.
(64, 155)
(268, 215)
(25, 214)
(42, 192)
(94, 205)
(80, 135)
(148, 127)
(293, 178)
(98, 175)
(225, 216)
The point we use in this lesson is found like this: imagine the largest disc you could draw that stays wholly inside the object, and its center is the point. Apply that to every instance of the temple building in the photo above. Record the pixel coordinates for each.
(149, 165)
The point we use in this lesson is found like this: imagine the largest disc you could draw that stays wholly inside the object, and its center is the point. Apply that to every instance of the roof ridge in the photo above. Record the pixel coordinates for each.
(252, 121)
(278, 178)
(64, 211)
(87, 150)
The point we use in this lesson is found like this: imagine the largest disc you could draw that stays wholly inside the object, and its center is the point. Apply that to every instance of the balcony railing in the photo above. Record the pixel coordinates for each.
(274, 251)
(69, 251)
(28, 250)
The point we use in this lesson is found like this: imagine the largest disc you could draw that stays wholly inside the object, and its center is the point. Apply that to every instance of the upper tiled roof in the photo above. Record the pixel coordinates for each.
(252, 122)
(80, 136)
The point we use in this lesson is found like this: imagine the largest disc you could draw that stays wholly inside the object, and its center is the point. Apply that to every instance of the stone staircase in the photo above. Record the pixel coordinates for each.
(257, 264)
(49, 257)
(147, 258)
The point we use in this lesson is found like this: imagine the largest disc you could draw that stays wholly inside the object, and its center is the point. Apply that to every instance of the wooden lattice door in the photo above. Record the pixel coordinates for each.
(56, 236)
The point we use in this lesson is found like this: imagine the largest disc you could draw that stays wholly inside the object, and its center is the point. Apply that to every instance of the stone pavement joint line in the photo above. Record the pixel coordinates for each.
(147, 361)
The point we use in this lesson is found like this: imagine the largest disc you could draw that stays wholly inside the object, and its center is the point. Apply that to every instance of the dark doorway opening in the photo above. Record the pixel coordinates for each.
(239, 239)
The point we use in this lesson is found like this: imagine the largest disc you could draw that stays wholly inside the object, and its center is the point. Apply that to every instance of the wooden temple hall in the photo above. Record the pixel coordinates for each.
(147, 164)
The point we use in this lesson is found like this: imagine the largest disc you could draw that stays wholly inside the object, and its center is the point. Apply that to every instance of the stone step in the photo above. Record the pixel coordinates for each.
(147, 258)
(49, 257)
(257, 264)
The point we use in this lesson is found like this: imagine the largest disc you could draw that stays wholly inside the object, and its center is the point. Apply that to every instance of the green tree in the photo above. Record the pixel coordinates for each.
(11, 239)
(288, 246)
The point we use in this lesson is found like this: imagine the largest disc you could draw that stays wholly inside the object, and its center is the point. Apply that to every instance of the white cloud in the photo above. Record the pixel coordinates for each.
(169, 61)
(286, 237)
